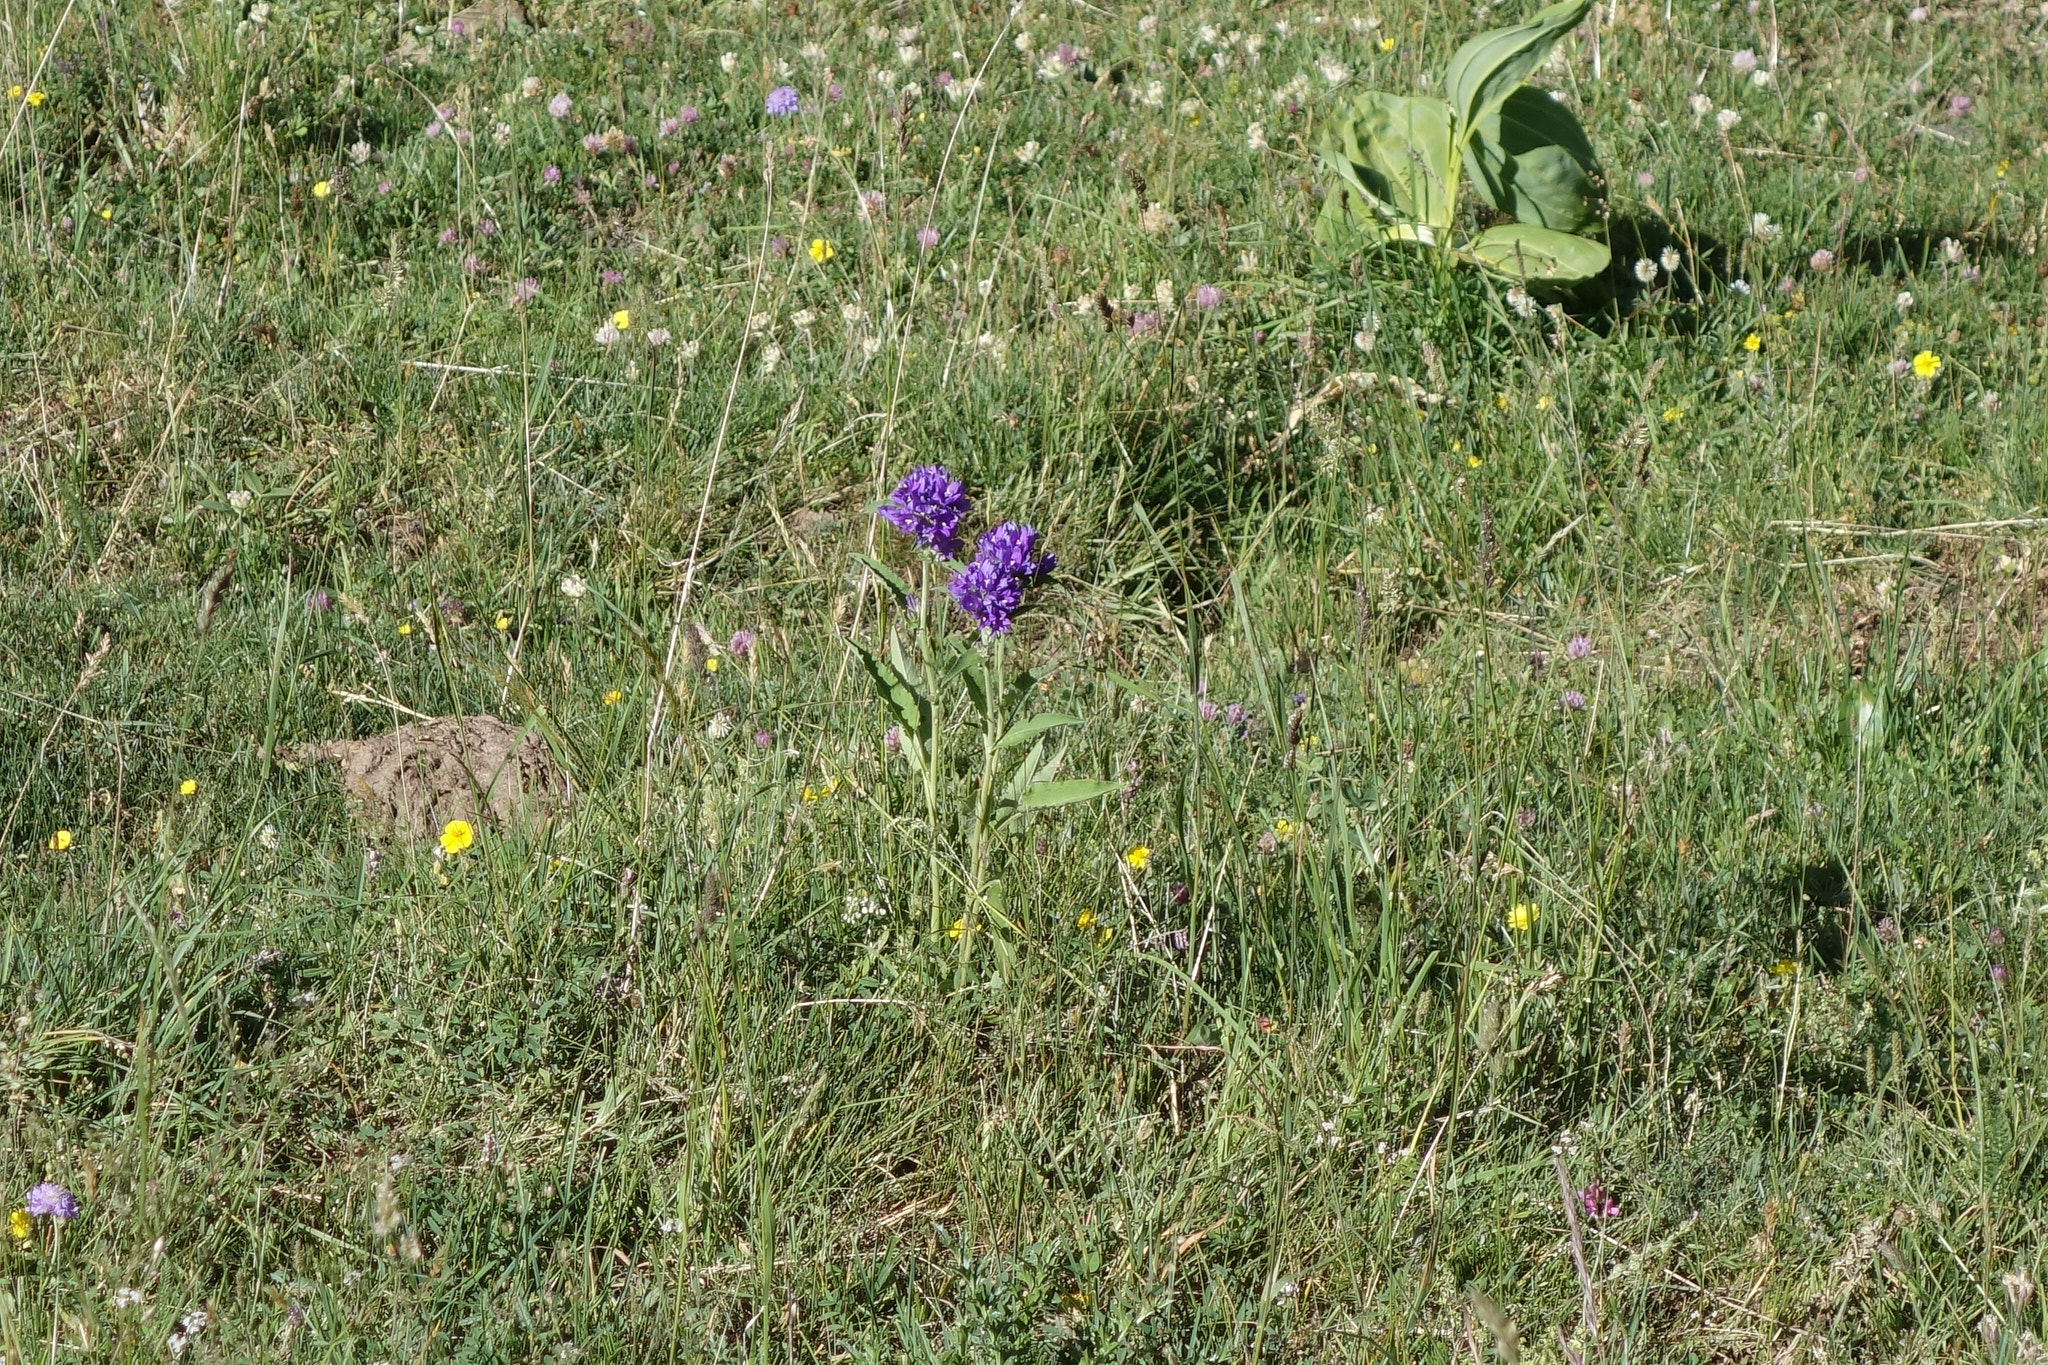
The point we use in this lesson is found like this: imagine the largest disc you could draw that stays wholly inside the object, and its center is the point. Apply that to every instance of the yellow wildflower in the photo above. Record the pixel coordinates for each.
(503, 622)
(14, 92)
(1784, 967)
(1283, 830)
(611, 698)
(821, 250)
(1500, 400)
(959, 928)
(322, 188)
(1752, 342)
(1674, 414)
(623, 320)
(1085, 920)
(1387, 44)
(107, 213)
(456, 836)
(1522, 918)
(1472, 460)
(189, 787)
(36, 98)
(1543, 403)
(60, 841)
(711, 665)
(1927, 364)
(1138, 856)
(405, 628)
(19, 1224)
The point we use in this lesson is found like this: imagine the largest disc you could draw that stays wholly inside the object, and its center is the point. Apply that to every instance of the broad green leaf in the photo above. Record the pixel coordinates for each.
(905, 703)
(887, 575)
(1531, 159)
(1535, 253)
(1046, 795)
(1031, 727)
(1395, 153)
(1488, 68)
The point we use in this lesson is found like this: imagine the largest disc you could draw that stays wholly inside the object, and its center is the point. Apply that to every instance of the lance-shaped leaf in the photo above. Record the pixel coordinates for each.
(1032, 727)
(1046, 795)
(1523, 252)
(1531, 159)
(1395, 153)
(1488, 68)
(905, 702)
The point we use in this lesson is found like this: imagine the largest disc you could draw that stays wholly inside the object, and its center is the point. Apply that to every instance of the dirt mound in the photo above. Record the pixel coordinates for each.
(414, 780)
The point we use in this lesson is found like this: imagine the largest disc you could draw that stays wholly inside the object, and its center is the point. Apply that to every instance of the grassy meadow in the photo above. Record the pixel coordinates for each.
(1565, 883)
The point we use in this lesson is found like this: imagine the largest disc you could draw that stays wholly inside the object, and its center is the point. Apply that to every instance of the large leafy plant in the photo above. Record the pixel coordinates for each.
(1395, 161)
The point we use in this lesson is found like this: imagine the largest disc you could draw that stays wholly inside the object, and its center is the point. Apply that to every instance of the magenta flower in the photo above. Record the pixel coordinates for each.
(487, 227)
(783, 101)
(449, 237)
(1597, 1202)
(1208, 296)
(1645, 179)
(1573, 700)
(559, 106)
(669, 127)
(1959, 106)
(927, 238)
(526, 290)
(433, 129)
(609, 276)
(1144, 324)
(741, 645)
(551, 175)
(1578, 647)
(383, 187)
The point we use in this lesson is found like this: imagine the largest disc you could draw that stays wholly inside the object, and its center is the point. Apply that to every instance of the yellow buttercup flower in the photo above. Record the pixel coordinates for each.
(1927, 364)
(503, 622)
(611, 698)
(36, 98)
(1522, 918)
(821, 250)
(405, 628)
(623, 320)
(107, 213)
(14, 92)
(322, 188)
(1784, 967)
(1543, 403)
(1752, 342)
(1085, 920)
(711, 665)
(1674, 414)
(1138, 856)
(457, 835)
(19, 1224)
(189, 787)
(1472, 460)
(1386, 44)
(59, 841)
(959, 928)
(1283, 830)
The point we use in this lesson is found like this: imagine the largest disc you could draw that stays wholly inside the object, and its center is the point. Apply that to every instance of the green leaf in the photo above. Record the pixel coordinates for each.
(1033, 726)
(1046, 795)
(1488, 68)
(904, 701)
(887, 575)
(1523, 252)
(1394, 152)
(1531, 159)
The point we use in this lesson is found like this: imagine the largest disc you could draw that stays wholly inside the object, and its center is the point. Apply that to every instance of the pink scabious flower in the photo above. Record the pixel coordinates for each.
(741, 645)
(49, 1200)
(560, 105)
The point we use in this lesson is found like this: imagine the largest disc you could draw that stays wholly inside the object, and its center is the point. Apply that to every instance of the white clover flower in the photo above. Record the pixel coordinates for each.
(1726, 120)
(1334, 71)
(728, 62)
(1255, 138)
(1646, 270)
(1760, 225)
(1028, 153)
(1669, 259)
(606, 335)
(573, 586)
(1700, 105)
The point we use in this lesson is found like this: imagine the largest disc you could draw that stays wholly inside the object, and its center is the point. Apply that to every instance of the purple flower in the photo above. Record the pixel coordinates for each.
(741, 645)
(1234, 713)
(1573, 700)
(1822, 261)
(1597, 1202)
(835, 92)
(928, 506)
(778, 247)
(1900, 368)
(1207, 710)
(1578, 647)
(1860, 174)
(1960, 105)
(782, 101)
(462, 135)
(449, 237)
(1887, 930)
(1066, 54)
(1208, 296)
(457, 27)
(445, 112)
(927, 238)
(764, 739)
(383, 187)
(593, 143)
(892, 739)
(609, 276)
(50, 1201)
(1013, 547)
(1995, 936)
(551, 176)
(988, 594)
(526, 291)
(472, 264)
(487, 227)
(319, 601)
(669, 127)
(1998, 975)
(687, 114)
(433, 129)
(1144, 324)
(559, 105)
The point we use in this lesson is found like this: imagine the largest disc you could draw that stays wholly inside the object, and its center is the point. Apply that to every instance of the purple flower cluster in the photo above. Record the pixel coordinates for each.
(928, 506)
(1597, 1202)
(783, 101)
(1006, 562)
(50, 1201)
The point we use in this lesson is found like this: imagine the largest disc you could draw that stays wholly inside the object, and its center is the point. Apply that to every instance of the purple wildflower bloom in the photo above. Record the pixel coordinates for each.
(1960, 105)
(433, 129)
(1822, 260)
(764, 739)
(1013, 548)
(449, 237)
(778, 247)
(1887, 930)
(1144, 324)
(551, 176)
(50, 1201)
(609, 276)
(669, 127)
(687, 114)
(487, 227)
(526, 291)
(1597, 1202)
(559, 105)
(383, 187)
(1525, 817)
(320, 601)
(1208, 296)
(741, 645)
(1234, 713)
(927, 237)
(1900, 367)
(1573, 700)
(445, 112)
(988, 594)
(593, 143)
(462, 135)
(1578, 647)
(1067, 54)
(1998, 973)
(1645, 179)
(782, 101)
(892, 739)
(1207, 710)
(928, 506)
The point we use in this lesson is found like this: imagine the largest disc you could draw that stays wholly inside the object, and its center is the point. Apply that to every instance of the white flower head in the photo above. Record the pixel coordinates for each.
(573, 586)
(728, 62)
(1668, 258)
(1726, 120)
(1255, 138)
(1904, 301)
(1700, 105)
